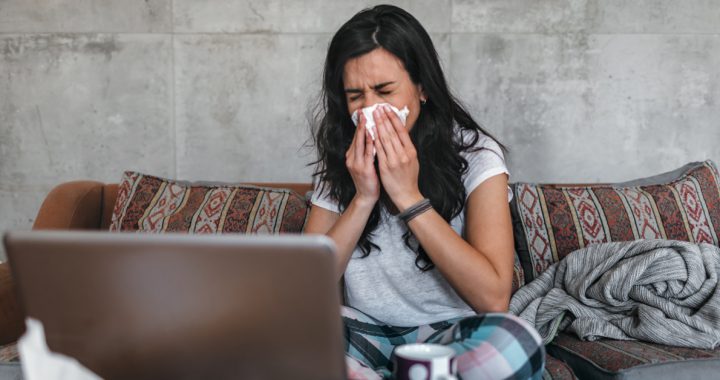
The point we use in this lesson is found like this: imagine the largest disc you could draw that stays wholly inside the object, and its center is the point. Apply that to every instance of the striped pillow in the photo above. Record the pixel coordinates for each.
(550, 221)
(150, 204)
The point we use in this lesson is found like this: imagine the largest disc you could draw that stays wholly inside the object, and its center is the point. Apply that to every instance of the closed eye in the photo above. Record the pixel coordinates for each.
(378, 88)
(354, 98)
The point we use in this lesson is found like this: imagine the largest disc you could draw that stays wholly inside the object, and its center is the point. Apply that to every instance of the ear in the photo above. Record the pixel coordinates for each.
(421, 91)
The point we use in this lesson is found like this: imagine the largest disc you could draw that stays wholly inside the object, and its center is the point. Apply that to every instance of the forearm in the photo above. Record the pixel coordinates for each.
(468, 271)
(347, 230)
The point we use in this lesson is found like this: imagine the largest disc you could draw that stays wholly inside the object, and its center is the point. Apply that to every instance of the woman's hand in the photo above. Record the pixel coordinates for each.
(397, 158)
(360, 163)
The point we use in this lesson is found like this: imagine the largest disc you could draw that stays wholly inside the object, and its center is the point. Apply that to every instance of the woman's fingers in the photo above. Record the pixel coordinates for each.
(380, 146)
(390, 122)
(385, 136)
(351, 153)
(360, 140)
(360, 156)
(399, 128)
(369, 155)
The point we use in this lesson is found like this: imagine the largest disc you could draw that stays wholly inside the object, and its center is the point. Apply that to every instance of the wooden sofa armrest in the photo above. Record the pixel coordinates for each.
(69, 206)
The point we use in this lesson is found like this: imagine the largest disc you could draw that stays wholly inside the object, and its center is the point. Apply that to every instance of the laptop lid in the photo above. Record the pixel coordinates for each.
(184, 306)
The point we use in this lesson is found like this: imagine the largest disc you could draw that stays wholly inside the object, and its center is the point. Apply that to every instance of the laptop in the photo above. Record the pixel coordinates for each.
(177, 306)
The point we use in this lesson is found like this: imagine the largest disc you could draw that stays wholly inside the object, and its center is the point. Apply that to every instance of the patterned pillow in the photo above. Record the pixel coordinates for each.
(150, 204)
(550, 221)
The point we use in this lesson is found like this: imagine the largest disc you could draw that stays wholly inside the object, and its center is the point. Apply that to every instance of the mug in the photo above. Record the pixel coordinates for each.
(424, 361)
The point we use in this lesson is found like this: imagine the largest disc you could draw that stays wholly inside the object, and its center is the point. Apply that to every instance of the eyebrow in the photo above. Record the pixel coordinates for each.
(378, 86)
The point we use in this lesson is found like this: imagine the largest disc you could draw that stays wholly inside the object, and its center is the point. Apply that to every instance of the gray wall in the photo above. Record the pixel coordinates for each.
(580, 90)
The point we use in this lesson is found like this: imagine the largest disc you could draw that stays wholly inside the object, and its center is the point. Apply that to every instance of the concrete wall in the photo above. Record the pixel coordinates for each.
(580, 90)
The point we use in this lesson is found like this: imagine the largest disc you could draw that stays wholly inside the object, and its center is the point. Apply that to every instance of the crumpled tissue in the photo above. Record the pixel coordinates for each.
(370, 122)
(39, 363)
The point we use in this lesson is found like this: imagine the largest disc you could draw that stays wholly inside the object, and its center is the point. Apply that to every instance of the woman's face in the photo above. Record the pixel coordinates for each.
(380, 77)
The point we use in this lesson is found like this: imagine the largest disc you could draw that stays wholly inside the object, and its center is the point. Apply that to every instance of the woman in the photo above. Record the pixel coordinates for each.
(419, 213)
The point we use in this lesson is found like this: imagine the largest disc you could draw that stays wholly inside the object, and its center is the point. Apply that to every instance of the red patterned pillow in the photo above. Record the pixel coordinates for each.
(550, 221)
(151, 204)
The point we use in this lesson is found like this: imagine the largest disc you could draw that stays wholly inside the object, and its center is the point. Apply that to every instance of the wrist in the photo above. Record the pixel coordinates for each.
(415, 210)
(364, 202)
(403, 203)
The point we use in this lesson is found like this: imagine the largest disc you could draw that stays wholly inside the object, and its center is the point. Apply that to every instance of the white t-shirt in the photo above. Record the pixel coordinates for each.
(386, 284)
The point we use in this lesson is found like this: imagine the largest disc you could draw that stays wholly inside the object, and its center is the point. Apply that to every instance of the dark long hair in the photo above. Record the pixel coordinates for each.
(437, 144)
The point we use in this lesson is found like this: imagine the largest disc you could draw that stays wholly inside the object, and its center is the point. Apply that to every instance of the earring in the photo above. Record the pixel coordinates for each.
(423, 102)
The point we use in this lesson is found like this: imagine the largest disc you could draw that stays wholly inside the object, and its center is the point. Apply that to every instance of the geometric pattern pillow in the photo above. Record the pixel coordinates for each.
(150, 204)
(550, 221)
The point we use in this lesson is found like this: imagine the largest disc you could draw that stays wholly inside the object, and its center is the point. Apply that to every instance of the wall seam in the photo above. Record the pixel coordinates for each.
(173, 99)
(450, 38)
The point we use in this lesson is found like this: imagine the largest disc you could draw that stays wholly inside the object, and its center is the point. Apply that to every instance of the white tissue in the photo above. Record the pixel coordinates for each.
(370, 122)
(39, 363)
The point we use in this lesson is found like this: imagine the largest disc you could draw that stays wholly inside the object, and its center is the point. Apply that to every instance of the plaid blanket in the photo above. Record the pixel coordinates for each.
(487, 346)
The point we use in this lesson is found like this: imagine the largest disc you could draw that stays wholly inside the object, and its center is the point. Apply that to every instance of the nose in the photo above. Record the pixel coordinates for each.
(371, 98)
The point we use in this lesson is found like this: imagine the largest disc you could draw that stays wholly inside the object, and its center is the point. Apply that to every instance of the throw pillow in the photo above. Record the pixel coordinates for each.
(552, 220)
(151, 204)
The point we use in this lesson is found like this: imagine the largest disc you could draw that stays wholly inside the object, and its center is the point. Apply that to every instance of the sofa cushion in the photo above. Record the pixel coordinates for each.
(623, 359)
(550, 221)
(151, 204)
(556, 369)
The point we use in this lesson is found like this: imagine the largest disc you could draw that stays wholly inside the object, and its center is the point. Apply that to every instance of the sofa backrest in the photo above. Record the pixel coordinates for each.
(110, 192)
(552, 221)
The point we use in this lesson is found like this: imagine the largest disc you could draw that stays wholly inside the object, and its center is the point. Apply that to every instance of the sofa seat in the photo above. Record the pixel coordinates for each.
(623, 359)
(557, 370)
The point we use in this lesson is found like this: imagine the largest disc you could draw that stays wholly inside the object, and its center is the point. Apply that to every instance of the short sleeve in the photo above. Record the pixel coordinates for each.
(321, 197)
(483, 163)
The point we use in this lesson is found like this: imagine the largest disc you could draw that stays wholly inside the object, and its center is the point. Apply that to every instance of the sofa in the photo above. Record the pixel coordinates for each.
(549, 222)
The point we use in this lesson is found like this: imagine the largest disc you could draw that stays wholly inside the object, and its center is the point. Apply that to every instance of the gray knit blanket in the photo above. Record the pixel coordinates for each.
(660, 291)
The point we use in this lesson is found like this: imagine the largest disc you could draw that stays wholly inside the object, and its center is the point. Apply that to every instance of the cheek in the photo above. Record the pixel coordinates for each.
(405, 101)
(352, 108)
(412, 116)
(412, 101)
